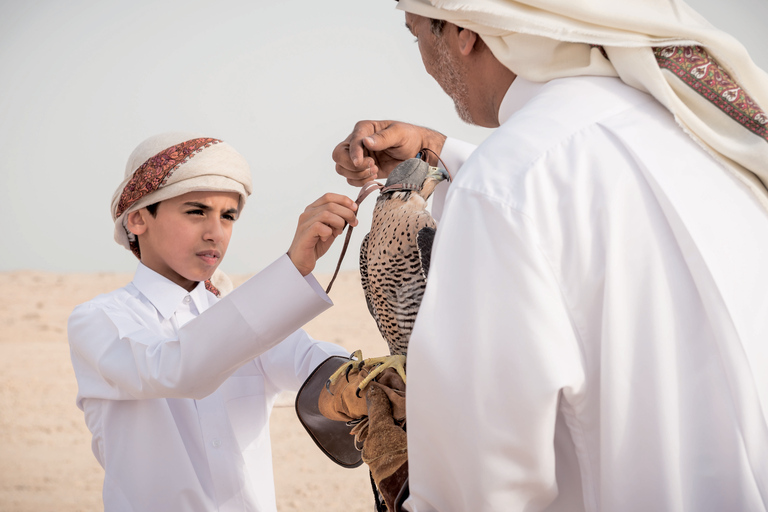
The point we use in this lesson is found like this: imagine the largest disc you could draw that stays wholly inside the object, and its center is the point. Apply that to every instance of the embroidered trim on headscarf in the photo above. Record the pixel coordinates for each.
(694, 66)
(209, 286)
(153, 173)
(134, 245)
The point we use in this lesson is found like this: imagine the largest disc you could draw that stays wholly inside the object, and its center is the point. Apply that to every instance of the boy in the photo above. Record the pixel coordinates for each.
(176, 384)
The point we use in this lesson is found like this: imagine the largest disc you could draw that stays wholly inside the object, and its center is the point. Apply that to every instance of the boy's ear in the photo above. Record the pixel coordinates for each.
(136, 223)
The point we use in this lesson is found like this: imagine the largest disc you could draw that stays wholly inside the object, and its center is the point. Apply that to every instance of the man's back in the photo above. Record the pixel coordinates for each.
(610, 281)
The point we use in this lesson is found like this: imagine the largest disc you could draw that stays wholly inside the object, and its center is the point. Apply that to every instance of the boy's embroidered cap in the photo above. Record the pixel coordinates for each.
(172, 164)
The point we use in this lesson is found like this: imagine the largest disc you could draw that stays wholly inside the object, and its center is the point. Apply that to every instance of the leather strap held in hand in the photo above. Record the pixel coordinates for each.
(364, 192)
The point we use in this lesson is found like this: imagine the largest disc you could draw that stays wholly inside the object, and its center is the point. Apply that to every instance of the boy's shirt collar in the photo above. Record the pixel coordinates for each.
(165, 295)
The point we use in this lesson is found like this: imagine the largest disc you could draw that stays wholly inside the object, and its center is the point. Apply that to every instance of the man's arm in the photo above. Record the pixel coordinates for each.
(455, 152)
(492, 350)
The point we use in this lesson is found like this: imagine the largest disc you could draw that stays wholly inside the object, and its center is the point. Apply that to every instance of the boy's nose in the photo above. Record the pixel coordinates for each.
(214, 231)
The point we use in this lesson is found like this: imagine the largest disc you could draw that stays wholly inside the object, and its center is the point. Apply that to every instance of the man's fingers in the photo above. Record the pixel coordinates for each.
(343, 157)
(364, 176)
(357, 153)
(390, 137)
(359, 142)
(356, 174)
(357, 150)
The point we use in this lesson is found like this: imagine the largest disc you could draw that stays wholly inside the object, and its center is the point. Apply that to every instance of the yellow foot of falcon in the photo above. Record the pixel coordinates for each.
(376, 365)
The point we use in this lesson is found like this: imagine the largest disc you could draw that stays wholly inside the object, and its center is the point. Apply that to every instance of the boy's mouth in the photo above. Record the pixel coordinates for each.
(209, 257)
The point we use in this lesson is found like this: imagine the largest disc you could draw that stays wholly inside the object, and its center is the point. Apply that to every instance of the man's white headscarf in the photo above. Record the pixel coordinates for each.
(663, 47)
(172, 164)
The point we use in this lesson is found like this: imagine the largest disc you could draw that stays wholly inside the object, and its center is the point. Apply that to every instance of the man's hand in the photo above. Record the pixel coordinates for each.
(374, 148)
(319, 225)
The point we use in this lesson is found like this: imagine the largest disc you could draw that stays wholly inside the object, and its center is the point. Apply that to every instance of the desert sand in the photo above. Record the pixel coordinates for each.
(46, 463)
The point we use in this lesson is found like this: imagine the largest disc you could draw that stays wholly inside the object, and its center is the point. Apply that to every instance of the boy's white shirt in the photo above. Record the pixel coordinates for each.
(178, 403)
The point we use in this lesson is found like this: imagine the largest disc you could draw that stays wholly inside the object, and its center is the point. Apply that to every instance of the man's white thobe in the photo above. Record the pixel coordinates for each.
(594, 334)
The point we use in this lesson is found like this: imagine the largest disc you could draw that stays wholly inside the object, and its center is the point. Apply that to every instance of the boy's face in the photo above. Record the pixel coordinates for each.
(188, 237)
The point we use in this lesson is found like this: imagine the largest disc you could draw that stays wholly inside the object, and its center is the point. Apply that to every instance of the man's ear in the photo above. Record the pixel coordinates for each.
(135, 221)
(467, 40)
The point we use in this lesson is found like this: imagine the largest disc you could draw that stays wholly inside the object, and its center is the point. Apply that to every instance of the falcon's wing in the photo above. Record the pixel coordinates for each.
(424, 239)
(364, 280)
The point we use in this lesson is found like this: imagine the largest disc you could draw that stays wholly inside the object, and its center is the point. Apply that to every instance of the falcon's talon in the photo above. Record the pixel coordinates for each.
(356, 358)
(396, 362)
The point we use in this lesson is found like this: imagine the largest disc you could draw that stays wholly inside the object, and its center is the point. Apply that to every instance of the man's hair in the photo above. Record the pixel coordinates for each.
(152, 209)
(437, 26)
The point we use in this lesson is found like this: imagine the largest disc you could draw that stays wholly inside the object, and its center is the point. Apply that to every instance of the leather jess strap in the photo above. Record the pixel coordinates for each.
(364, 192)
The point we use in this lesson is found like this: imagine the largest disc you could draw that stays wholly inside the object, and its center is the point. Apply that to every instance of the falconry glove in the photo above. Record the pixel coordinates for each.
(344, 401)
(385, 447)
(377, 414)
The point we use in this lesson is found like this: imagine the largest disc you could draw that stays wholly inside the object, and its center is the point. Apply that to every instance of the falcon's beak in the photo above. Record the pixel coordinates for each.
(438, 174)
(434, 176)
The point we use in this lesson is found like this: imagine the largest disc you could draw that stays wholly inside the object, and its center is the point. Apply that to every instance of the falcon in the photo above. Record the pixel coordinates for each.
(394, 259)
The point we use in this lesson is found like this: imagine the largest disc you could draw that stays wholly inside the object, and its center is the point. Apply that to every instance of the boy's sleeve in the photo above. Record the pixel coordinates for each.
(116, 356)
(289, 364)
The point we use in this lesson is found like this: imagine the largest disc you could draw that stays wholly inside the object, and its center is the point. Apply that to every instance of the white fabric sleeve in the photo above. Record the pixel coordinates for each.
(493, 347)
(455, 152)
(117, 357)
(289, 364)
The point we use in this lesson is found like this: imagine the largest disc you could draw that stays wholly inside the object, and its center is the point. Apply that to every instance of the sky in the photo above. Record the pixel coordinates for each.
(83, 82)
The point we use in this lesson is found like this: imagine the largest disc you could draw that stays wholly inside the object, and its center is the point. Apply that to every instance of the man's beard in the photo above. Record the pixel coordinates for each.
(452, 80)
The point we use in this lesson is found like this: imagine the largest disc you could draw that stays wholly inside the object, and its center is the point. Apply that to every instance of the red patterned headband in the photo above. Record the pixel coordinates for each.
(153, 173)
(694, 66)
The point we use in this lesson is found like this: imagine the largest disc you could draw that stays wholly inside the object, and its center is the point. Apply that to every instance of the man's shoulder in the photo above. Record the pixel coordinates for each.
(570, 124)
(567, 106)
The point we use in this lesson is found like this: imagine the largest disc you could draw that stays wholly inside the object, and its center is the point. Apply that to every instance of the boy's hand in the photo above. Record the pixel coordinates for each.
(319, 225)
(374, 148)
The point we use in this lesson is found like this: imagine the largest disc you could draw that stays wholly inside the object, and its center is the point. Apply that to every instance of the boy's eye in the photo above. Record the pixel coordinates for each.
(195, 212)
(229, 216)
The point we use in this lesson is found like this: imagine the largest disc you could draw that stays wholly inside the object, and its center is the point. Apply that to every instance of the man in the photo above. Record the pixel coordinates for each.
(593, 332)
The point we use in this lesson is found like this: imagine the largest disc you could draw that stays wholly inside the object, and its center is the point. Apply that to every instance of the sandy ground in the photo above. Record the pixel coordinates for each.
(46, 462)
